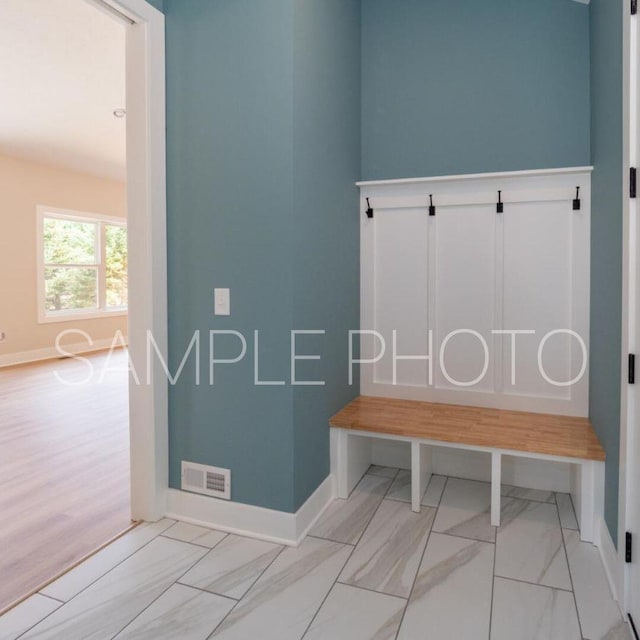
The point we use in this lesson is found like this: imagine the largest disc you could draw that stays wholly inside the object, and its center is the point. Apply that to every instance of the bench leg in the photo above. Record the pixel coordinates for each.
(420, 473)
(496, 485)
(342, 466)
(350, 459)
(590, 499)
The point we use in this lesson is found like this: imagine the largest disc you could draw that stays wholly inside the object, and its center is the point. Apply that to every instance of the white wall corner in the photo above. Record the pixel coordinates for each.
(248, 520)
(315, 505)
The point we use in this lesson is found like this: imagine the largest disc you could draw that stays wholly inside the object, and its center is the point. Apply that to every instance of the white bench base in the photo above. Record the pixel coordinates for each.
(351, 457)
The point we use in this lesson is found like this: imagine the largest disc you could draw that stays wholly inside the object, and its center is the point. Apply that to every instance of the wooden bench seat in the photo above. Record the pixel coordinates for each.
(562, 436)
(496, 431)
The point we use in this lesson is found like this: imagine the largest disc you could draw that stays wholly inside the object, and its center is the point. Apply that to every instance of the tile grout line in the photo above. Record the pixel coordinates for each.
(142, 611)
(393, 481)
(464, 479)
(169, 587)
(248, 591)
(44, 595)
(368, 523)
(573, 509)
(446, 482)
(75, 595)
(527, 499)
(282, 548)
(454, 535)
(146, 544)
(33, 626)
(315, 615)
(493, 585)
(382, 475)
(566, 555)
(350, 544)
(357, 542)
(401, 500)
(236, 600)
(415, 578)
(380, 593)
(422, 504)
(195, 544)
(353, 549)
(533, 584)
(211, 593)
(502, 484)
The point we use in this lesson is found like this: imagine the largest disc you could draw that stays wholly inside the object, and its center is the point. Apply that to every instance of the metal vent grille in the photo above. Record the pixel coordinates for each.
(210, 481)
(216, 481)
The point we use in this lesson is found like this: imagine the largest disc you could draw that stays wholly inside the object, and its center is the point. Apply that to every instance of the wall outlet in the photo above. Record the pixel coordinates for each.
(221, 302)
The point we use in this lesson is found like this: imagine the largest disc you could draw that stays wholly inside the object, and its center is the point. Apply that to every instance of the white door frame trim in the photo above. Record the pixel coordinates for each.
(146, 204)
(630, 210)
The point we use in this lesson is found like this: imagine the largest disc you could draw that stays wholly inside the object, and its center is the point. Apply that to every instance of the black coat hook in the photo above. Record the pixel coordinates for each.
(500, 204)
(576, 202)
(369, 210)
(432, 208)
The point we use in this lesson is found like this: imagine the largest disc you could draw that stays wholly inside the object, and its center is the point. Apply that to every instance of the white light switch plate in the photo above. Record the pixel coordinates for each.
(221, 302)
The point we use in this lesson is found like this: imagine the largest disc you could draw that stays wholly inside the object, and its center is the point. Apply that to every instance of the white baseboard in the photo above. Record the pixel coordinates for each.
(476, 465)
(315, 505)
(609, 557)
(248, 520)
(51, 353)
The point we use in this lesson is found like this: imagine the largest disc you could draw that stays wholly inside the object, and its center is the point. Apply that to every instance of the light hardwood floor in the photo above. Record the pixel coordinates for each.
(64, 467)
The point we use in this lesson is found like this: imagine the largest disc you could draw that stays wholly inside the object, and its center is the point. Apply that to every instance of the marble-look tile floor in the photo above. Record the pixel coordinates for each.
(370, 569)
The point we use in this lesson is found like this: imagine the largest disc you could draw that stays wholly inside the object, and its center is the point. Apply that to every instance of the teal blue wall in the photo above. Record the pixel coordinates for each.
(229, 198)
(606, 238)
(258, 98)
(326, 220)
(264, 112)
(158, 4)
(467, 86)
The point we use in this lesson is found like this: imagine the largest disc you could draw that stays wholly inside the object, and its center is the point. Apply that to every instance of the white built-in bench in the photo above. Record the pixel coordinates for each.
(495, 431)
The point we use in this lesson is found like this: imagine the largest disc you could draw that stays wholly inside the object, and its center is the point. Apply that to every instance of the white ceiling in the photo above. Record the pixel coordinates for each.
(62, 74)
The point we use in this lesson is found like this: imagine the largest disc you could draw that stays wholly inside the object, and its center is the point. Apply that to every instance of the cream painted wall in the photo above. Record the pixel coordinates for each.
(23, 186)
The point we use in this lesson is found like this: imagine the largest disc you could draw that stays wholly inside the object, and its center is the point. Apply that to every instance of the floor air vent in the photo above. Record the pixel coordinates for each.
(211, 481)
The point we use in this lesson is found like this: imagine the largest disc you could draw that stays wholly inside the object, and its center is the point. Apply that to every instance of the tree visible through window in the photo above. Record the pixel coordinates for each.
(84, 265)
(116, 265)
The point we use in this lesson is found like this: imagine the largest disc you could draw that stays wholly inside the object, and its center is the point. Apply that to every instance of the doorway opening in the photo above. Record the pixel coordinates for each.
(78, 475)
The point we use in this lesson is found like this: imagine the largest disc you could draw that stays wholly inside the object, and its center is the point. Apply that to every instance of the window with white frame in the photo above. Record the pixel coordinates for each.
(82, 265)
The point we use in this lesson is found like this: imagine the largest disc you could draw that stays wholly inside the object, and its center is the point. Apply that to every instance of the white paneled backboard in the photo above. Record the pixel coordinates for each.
(402, 292)
(463, 281)
(442, 295)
